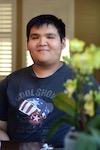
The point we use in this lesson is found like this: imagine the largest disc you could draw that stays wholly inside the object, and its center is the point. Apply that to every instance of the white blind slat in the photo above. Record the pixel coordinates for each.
(5, 39)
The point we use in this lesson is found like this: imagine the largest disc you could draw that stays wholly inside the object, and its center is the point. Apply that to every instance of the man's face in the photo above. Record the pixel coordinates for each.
(45, 45)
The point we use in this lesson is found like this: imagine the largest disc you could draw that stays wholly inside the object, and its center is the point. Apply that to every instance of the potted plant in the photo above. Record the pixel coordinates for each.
(82, 107)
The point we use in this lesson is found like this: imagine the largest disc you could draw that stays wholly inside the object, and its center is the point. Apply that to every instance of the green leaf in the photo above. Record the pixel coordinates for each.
(57, 123)
(95, 122)
(95, 132)
(66, 104)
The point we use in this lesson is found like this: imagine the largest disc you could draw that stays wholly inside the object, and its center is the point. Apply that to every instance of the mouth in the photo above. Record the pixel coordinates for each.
(42, 49)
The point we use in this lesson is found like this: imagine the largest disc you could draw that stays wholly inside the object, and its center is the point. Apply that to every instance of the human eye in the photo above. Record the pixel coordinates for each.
(34, 36)
(51, 36)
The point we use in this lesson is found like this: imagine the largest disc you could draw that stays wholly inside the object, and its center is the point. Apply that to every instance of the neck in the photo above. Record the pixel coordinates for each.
(45, 71)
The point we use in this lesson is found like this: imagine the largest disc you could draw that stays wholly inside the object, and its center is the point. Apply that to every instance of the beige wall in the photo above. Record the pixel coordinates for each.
(87, 20)
(87, 23)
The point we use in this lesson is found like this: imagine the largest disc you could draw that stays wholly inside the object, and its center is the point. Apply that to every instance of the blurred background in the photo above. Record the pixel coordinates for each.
(82, 19)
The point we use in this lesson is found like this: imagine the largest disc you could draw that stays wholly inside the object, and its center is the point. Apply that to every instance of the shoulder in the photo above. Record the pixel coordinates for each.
(20, 72)
(17, 74)
(65, 71)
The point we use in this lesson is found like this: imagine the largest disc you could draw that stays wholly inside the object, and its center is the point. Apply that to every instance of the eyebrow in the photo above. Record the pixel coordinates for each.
(36, 34)
(51, 34)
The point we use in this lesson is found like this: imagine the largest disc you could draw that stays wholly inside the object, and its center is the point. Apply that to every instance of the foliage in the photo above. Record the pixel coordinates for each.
(82, 107)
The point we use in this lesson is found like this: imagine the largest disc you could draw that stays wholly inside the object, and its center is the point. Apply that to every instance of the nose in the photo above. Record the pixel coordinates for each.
(42, 41)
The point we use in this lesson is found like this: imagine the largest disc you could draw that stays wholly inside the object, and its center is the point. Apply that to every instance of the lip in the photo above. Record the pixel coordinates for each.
(42, 49)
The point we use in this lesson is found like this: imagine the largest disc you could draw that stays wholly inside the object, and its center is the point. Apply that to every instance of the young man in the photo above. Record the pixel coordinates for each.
(26, 96)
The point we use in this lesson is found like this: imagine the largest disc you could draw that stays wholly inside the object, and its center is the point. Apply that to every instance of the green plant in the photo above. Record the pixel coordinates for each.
(81, 106)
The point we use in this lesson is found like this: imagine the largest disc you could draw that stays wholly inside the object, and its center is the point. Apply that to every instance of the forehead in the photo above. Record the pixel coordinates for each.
(45, 28)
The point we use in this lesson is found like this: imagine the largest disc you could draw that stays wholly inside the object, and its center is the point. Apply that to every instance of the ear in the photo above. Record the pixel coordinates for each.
(63, 44)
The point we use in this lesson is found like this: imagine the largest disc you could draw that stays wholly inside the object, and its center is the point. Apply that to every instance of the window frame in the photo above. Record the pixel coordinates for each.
(13, 35)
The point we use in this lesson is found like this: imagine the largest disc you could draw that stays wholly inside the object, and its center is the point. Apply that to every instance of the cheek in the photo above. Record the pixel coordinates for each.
(55, 44)
(57, 47)
(30, 46)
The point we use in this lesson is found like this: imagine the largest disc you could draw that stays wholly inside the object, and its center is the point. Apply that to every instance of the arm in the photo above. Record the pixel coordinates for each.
(3, 110)
(3, 131)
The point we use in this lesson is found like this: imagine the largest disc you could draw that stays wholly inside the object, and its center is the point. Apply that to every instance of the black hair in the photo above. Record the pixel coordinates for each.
(46, 19)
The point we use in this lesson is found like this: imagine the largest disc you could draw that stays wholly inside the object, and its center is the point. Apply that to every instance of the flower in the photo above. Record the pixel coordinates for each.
(82, 106)
(71, 86)
(89, 106)
(76, 45)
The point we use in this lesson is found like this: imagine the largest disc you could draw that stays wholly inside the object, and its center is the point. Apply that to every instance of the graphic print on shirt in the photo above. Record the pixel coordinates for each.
(37, 109)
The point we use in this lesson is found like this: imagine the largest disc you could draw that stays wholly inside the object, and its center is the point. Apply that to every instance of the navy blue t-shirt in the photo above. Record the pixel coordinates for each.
(26, 103)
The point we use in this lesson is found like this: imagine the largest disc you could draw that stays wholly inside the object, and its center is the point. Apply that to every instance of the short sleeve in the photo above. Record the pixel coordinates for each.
(3, 100)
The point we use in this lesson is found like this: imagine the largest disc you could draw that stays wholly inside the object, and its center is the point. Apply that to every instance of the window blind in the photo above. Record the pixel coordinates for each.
(5, 39)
